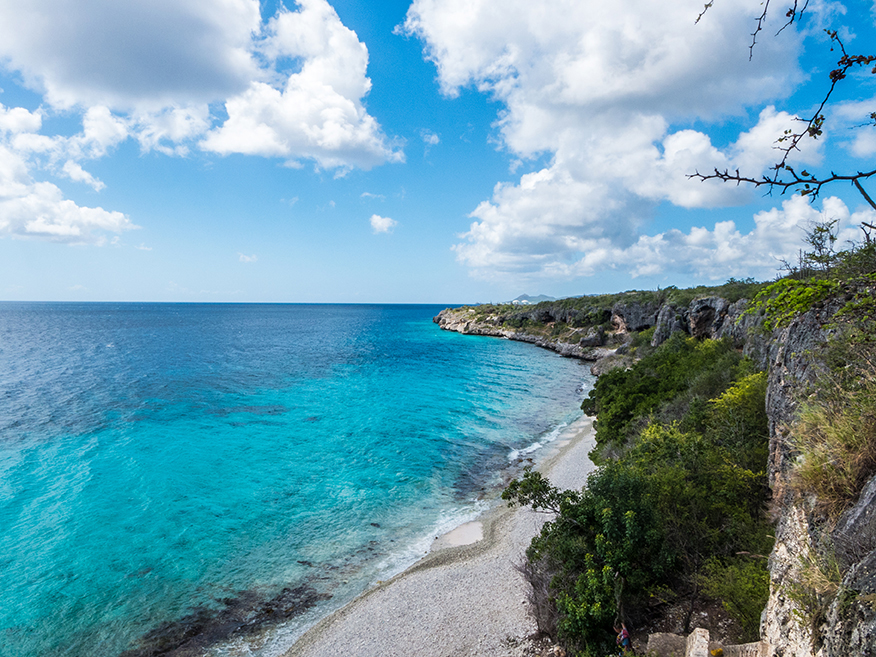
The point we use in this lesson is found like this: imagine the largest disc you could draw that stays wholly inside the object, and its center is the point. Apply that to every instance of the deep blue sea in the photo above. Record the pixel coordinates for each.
(224, 474)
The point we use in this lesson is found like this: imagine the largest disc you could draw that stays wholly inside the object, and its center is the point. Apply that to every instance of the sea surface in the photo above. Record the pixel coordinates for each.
(219, 476)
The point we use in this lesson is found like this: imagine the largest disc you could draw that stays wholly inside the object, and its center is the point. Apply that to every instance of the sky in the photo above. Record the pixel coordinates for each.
(433, 151)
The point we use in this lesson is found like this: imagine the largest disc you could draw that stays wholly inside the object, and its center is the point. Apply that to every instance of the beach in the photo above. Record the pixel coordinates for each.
(465, 597)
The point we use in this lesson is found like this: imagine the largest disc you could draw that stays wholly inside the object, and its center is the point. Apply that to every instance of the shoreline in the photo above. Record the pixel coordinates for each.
(465, 596)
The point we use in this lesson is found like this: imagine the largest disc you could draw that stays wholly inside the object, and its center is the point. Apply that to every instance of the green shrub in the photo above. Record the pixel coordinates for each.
(742, 584)
(783, 300)
(645, 525)
(666, 382)
(737, 420)
(687, 492)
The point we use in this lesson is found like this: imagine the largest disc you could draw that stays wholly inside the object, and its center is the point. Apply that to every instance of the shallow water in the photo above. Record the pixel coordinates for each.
(230, 466)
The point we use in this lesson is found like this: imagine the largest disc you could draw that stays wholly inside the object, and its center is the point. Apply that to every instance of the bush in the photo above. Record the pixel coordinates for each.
(737, 420)
(666, 382)
(686, 493)
(742, 584)
(646, 524)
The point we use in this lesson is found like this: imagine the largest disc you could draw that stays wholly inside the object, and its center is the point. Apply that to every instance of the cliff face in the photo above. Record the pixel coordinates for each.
(587, 344)
(605, 336)
(802, 617)
(799, 620)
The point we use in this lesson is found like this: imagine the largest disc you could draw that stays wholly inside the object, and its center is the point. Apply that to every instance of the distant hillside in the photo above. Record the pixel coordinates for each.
(526, 300)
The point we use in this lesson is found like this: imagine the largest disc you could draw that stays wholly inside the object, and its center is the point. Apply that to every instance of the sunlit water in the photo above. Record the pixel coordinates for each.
(161, 462)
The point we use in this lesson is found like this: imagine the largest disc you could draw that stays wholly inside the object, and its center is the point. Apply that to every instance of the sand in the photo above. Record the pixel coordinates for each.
(465, 597)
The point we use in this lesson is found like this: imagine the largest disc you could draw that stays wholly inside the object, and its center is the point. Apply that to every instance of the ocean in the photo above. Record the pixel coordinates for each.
(220, 476)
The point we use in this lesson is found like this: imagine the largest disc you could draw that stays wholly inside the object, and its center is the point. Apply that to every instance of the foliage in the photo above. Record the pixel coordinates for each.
(737, 420)
(733, 290)
(650, 523)
(742, 584)
(605, 536)
(671, 378)
(786, 298)
(836, 438)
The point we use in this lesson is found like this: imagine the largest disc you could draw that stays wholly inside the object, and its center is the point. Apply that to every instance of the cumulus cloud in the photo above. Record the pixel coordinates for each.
(140, 54)
(30, 209)
(316, 112)
(382, 224)
(724, 251)
(609, 94)
(247, 258)
(149, 69)
(75, 172)
(715, 254)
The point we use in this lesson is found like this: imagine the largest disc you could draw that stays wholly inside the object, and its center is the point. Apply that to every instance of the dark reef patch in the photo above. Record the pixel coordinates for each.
(238, 616)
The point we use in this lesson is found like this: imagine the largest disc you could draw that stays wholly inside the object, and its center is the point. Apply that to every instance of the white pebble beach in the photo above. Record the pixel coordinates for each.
(465, 597)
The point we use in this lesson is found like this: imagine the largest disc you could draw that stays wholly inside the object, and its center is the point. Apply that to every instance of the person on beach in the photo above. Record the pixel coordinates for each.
(623, 639)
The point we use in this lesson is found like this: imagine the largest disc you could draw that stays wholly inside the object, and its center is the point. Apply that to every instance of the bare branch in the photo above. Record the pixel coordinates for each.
(803, 182)
(866, 196)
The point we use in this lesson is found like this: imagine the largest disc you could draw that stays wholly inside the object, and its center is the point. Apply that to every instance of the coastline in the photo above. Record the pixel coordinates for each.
(463, 598)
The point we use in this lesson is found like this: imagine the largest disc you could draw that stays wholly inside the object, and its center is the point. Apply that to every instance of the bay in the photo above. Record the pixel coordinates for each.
(222, 468)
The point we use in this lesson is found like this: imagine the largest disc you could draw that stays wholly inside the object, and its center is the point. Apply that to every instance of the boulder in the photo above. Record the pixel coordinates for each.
(670, 319)
(595, 337)
(706, 316)
(664, 644)
(626, 317)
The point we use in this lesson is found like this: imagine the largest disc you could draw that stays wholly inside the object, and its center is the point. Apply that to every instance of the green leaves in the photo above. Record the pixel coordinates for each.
(681, 494)
(782, 301)
(682, 370)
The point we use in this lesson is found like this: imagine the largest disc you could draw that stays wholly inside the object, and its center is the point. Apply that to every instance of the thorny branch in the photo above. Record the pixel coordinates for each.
(794, 13)
(783, 175)
(805, 182)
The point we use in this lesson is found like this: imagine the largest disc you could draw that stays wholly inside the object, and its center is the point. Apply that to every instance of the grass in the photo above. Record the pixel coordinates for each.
(836, 438)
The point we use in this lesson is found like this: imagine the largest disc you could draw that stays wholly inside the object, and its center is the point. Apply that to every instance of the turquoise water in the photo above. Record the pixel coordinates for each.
(209, 471)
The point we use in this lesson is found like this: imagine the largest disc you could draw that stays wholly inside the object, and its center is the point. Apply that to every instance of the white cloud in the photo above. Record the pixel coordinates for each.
(855, 118)
(601, 92)
(248, 258)
(149, 69)
(724, 251)
(382, 224)
(316, 113)
(430, 138)
(75, 172)
(716, 254)
(31, 209)
(135, 54)
(18, 119)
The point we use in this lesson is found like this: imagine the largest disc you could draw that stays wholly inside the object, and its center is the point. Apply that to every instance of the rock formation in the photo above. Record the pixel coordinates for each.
(845, 624)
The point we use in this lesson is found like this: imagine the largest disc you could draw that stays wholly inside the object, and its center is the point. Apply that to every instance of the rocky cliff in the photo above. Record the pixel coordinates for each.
(805, 616)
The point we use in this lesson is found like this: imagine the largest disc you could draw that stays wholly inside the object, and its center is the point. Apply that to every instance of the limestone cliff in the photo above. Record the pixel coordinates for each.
(799, 620)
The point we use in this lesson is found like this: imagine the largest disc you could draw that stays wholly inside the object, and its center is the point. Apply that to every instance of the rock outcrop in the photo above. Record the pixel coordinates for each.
(837, 624)
(605, 332)
(795, 622)
(586, 344)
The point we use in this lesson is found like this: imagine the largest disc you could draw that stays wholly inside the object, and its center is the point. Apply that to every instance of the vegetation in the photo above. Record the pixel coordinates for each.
(676, 512)
(836, 430)
(673, 384)
(664, 520)
(564, 319)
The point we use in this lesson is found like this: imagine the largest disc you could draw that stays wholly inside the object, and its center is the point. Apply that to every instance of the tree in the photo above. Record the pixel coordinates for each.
(782, 175)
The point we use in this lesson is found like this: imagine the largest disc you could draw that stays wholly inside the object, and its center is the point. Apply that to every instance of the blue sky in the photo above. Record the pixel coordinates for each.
(441, 151)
